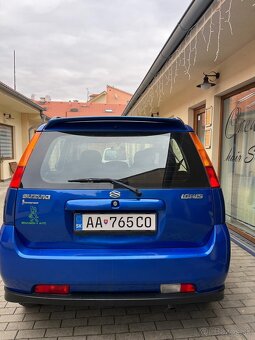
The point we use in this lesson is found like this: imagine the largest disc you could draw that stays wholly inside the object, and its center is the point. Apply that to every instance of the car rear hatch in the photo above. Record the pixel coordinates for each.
(68, 197)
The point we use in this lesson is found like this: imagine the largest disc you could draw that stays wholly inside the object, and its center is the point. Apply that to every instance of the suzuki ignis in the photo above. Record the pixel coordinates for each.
(114, 210)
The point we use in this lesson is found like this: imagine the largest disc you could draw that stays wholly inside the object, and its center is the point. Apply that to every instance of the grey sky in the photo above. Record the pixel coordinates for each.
(64, 47)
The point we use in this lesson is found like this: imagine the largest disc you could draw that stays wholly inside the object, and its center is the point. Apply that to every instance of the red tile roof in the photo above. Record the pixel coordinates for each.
(74, 109)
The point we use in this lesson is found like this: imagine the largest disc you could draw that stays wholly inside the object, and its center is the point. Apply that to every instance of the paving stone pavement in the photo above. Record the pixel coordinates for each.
(230, 319)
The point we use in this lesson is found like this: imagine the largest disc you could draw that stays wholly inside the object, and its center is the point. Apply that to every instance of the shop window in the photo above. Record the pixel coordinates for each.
(238, 160)
(6, 141)
(199, 123)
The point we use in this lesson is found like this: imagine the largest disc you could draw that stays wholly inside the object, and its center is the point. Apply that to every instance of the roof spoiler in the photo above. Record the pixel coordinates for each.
(57, 123)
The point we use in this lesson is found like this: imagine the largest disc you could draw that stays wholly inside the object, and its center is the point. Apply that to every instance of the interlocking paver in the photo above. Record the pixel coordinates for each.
(113, 311)
(8, 335)
(130, 336)
(250, 336)
(31, 333)
(152, 317)
(110, 329)
(247, 310)
(87, 330)
(243, 318)
(231, 337)
(13, 326)
(126, 319)
(185, 333)
(47, 324)
(88, 313)
(101, 320)
(3, 326)
(62, 315)
(238, 329)
(59, 332)
(159, 335)
(212, 330)
(194, 323)
(101, 337)
(162, 325)
(142, 326)
(74, 322)
(36, 316)
(221, 320)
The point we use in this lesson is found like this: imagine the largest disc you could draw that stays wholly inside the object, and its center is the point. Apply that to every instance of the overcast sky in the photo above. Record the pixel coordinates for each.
(64, 47)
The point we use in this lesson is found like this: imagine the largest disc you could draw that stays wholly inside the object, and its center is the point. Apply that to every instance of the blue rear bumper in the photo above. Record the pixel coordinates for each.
(114, 271)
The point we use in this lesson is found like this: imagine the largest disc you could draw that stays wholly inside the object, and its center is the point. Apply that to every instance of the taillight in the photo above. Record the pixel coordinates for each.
(212, 177)
(52, 289)
(17, 177)
(169, 288)
(187, 288)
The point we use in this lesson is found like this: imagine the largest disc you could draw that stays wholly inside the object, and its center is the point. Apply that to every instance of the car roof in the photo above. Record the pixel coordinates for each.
(145, 123)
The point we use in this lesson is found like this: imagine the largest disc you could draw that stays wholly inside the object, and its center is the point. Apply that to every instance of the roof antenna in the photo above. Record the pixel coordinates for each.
(14, 69)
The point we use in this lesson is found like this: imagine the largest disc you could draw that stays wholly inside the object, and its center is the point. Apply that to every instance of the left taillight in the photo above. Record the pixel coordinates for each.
(17, 177)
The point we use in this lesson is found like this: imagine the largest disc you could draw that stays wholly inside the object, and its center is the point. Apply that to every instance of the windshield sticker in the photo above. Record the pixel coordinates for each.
(33, 217)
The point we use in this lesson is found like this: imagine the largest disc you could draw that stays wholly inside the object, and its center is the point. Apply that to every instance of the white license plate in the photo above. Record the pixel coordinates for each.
(115, 222)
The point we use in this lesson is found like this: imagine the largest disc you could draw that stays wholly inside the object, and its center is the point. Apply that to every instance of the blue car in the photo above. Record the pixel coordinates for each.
(147, 226)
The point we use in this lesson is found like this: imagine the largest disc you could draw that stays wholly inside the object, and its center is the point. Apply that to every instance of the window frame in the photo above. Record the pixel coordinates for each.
(12, 142)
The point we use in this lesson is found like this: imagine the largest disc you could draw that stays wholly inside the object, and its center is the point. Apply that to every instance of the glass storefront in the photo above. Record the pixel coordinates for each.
(238, 160)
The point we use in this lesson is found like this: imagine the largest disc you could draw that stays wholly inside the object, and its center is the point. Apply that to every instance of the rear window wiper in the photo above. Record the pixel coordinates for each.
(106, 180)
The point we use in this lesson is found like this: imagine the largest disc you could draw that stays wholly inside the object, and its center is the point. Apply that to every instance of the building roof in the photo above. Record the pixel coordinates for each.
(18, 96)
(77, 109)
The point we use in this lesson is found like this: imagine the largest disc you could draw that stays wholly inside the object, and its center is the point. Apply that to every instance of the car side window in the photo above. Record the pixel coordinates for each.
(179, 156)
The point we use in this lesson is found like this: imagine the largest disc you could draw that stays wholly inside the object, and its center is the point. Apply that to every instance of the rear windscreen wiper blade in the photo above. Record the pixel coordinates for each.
(106, 180)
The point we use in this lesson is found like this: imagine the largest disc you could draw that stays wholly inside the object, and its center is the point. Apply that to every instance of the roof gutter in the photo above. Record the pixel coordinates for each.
(19, 96)
(195, 10)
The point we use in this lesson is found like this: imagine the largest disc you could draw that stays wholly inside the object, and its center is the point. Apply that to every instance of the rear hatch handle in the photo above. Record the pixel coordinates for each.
(107, 180)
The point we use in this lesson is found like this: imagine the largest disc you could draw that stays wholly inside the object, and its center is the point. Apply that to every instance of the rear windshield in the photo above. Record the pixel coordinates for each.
(166, 160)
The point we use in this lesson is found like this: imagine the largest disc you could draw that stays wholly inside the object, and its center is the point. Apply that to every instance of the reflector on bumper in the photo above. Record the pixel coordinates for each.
(177, 288)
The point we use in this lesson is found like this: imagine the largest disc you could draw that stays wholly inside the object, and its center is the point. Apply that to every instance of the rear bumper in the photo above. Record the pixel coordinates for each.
(98, 271)
(111, 299)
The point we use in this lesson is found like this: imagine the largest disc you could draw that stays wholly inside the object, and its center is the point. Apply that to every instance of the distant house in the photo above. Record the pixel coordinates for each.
(19, 117)
(111, 102)
(112, 95)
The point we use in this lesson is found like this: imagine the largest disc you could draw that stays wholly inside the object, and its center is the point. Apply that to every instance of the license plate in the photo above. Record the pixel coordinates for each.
(115, 222)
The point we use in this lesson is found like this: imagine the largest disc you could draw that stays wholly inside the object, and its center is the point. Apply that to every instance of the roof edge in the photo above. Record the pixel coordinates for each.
(193, 13)
(19, 96)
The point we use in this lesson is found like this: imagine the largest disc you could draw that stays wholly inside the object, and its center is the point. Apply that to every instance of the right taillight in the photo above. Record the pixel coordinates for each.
(211, 174)
(17, 177)
(213, 179)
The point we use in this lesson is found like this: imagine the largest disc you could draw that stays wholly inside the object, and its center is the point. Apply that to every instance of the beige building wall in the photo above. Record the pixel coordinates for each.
(21, 123)
(235, 72)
